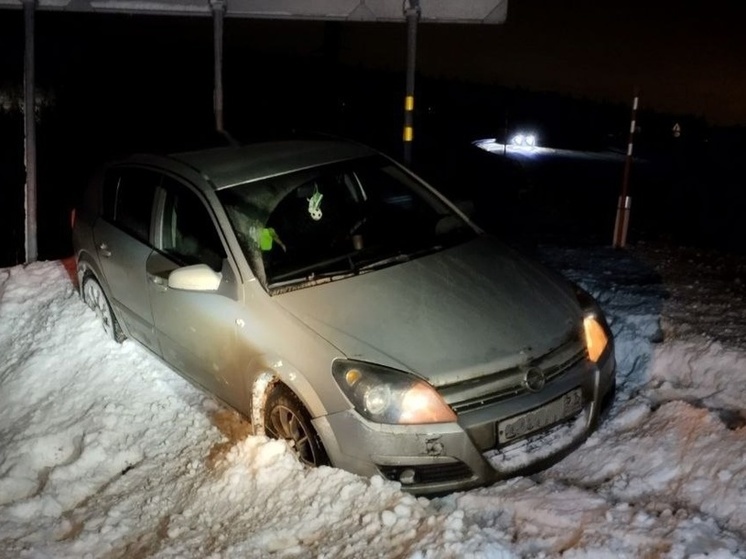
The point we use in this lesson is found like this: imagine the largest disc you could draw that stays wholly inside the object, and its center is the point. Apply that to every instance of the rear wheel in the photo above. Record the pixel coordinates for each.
(286, 418)
(94, 297)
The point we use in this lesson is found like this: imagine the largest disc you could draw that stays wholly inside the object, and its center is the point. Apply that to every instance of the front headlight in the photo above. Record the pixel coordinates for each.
(594, 325)
(387, 396)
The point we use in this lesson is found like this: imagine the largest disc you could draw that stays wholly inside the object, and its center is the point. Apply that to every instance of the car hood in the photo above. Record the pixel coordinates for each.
(470, 310)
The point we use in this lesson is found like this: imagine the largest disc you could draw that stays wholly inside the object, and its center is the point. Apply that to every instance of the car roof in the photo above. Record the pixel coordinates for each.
(229, 166)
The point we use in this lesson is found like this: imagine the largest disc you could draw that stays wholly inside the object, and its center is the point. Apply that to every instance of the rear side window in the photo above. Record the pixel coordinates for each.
(128, 196)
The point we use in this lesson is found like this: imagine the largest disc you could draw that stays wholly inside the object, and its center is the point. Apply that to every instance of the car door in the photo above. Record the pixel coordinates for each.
(195, 330)
(123, 243)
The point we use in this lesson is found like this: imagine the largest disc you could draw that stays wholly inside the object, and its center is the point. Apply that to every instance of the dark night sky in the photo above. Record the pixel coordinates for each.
(119, 81)
(687, 57)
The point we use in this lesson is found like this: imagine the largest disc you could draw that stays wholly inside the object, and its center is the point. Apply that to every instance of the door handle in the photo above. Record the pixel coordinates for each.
(104, 250)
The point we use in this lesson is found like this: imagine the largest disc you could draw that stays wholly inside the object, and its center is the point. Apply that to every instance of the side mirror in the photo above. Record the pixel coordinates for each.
(199, 277)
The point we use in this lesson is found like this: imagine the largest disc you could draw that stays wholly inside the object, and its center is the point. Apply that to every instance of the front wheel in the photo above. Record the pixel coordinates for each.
(286, 418)
(94, 297)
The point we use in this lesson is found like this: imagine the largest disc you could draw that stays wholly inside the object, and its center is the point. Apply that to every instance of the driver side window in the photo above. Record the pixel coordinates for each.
(188, 233)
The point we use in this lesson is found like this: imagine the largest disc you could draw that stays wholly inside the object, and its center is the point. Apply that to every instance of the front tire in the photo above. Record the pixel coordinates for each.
(94, 297)
(286, 418)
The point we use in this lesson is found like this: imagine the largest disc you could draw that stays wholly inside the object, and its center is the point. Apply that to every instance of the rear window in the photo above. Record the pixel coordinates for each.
(128, 196)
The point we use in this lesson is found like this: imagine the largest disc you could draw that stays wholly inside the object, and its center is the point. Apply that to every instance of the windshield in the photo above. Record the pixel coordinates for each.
(338, 220)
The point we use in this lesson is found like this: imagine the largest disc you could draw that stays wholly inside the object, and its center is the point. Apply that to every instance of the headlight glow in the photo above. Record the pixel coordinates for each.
(517, 140)
(524, 139)
(388, 396)
(596, 339)
(421, 404)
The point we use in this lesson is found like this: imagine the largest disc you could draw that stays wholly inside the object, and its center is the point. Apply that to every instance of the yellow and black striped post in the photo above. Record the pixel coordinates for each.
(412, 13)
(624, 205)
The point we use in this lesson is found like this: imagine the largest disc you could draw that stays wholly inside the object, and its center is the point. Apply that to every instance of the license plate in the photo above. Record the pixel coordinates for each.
(555, 411)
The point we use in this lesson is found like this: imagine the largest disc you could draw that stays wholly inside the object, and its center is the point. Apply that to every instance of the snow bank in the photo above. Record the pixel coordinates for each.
(104, 451)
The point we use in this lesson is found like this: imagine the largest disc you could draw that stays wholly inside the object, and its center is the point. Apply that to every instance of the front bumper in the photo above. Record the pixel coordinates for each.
(446, 457)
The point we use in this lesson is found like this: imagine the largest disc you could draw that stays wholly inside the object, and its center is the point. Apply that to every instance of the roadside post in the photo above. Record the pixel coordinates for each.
(624, 203)
(29, 122)
(218, 13)
(412, 14)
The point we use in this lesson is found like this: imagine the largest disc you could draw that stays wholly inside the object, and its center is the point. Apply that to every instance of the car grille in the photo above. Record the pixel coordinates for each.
(429, 473)
(476, 393)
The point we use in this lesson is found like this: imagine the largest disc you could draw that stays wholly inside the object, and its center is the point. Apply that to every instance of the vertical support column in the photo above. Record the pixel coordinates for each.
(624, 204)
(412, 13)
(218, 12)
(29, 120)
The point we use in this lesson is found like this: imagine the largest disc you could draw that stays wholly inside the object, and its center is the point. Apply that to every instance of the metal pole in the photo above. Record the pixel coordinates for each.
(29, 120)
(218, 12)
(505, 137)
(624, 204)
(412, 13)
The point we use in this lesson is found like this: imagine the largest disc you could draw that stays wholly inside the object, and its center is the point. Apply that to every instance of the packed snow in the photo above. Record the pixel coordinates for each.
(106, 452)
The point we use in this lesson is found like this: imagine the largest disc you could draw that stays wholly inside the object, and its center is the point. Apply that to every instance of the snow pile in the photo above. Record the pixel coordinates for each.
(104, 451)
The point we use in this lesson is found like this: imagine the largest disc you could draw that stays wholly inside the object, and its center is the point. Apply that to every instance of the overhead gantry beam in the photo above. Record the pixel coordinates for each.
(443, 11)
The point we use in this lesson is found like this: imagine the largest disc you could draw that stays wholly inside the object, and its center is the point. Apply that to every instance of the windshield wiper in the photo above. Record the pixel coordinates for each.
(306, 281)
(319, 271)
(309, 272)
(397, 258)
(383, 262)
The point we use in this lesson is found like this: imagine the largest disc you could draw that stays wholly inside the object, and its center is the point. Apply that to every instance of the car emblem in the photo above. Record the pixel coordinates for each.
(533, 379)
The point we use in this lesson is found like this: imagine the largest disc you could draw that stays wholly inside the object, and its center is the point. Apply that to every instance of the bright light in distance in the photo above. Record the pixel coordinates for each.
(523, 140)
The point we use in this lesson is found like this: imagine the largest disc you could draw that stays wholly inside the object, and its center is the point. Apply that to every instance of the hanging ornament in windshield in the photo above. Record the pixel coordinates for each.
(314, 204)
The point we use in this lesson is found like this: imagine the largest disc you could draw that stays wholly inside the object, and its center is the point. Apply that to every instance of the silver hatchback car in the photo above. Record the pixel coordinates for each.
(342, 304)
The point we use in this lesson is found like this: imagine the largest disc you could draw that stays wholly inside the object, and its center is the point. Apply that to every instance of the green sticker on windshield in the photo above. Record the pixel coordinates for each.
(265, 239)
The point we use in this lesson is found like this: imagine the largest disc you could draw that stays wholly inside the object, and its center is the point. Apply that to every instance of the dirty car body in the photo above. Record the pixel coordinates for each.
(403, 341)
